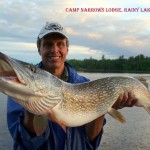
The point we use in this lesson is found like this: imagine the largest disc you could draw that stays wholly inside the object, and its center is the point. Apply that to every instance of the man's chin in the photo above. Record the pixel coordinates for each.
(55, 65)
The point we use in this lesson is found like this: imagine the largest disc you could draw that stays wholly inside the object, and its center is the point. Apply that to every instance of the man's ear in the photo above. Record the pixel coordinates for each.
(39, 51)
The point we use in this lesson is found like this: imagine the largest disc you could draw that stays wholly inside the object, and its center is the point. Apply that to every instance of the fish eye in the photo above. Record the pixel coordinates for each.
(33, 69)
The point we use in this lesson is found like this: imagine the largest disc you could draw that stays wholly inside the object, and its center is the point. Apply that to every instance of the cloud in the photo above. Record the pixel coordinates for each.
(22, 51)
(17, 46)
(111, 34)
(82, 52)
(71, 31)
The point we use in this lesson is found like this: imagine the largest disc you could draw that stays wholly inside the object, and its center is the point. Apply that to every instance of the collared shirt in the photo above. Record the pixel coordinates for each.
(64, 76)
(54, 138)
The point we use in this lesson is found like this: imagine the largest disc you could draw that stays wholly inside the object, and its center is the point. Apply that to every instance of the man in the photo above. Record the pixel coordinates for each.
(52, 44)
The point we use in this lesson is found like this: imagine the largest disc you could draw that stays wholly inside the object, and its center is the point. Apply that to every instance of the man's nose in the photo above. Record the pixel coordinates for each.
(54, 48)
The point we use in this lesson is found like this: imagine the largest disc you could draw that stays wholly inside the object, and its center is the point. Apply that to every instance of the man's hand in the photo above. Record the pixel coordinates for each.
(127, 99)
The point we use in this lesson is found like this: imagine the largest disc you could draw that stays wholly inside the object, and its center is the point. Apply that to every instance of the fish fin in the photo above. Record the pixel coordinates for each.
(143, 80)
(59, 122)
(40, 124)
(147, 109)
(116, 115)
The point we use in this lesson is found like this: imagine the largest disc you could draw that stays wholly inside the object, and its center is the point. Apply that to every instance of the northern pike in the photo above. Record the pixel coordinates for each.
(45, 95)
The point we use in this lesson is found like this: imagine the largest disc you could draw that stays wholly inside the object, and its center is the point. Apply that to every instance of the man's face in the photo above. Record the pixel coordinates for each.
(53, 50)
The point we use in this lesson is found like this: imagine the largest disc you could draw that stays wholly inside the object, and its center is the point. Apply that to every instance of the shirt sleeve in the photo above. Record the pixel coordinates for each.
(22, 139)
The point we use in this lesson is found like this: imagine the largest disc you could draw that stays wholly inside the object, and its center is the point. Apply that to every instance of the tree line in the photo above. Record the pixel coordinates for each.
(137, 64)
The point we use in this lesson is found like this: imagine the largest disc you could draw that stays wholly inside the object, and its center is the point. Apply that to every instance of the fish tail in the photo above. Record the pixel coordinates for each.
(143, 80)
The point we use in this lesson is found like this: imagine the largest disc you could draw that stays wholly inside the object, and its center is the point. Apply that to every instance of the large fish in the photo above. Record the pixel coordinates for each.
(43, 94)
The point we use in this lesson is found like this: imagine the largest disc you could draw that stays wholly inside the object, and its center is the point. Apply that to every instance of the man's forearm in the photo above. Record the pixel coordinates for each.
(94, 128)
(28, 121)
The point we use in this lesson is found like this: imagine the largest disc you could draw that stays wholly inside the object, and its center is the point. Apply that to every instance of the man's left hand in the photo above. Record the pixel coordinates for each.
(127, 99)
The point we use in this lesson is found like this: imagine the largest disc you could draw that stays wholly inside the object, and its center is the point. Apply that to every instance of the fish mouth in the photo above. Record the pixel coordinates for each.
(7, 70)
(16, 79)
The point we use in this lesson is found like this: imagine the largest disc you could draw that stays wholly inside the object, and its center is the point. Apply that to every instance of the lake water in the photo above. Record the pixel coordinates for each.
(134, 135)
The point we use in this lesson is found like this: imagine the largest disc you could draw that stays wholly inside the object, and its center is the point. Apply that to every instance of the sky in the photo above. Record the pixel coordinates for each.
(94, 28)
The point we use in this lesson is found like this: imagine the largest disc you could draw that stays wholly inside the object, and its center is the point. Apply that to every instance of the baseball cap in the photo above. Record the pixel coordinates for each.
(52, 28)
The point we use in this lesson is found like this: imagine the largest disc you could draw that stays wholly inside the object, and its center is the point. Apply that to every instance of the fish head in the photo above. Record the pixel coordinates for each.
(19, 79)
